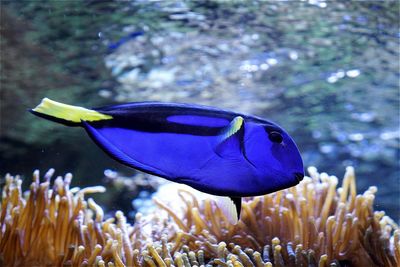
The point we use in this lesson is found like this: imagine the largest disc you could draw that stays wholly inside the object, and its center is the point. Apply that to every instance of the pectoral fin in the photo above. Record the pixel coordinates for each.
(229, 142)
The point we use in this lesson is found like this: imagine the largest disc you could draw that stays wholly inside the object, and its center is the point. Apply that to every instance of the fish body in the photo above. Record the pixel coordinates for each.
(213, 150)
(114, 46)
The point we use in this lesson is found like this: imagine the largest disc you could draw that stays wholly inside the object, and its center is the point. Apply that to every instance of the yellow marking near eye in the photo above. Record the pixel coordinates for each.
(69, 112)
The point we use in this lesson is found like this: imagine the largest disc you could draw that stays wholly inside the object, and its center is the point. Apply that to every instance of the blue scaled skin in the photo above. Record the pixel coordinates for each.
(215, 151)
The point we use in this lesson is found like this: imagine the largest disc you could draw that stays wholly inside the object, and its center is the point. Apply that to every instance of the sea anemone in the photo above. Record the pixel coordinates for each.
(312, 224)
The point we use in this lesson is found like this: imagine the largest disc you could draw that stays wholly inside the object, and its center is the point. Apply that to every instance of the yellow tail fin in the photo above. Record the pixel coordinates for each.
(69, 113)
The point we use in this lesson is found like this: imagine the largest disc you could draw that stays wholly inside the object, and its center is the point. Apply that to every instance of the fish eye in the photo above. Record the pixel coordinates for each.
(275, 137)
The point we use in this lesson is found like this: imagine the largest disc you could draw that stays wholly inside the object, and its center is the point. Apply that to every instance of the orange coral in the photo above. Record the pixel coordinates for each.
(312, 224)
(313, 219)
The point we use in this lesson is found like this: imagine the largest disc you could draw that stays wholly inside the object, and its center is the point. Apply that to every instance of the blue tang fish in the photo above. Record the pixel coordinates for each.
(212, 150)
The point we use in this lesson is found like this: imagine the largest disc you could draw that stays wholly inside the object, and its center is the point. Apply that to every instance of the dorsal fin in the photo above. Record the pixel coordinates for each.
(229, 141)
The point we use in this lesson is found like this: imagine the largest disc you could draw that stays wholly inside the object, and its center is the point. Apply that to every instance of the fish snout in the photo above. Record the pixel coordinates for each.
(299, 176)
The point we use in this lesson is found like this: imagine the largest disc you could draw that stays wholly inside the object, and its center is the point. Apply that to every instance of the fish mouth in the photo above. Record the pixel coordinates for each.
(299, 176)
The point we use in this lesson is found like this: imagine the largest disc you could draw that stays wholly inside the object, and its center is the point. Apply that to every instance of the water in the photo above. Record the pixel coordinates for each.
(328, 72)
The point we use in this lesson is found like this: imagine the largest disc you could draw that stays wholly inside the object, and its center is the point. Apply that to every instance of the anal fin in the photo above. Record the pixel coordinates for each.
(238, 204)
(231, 207)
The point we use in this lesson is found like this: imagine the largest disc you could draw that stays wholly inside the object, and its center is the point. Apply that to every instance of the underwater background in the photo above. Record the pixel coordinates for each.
(327, 72)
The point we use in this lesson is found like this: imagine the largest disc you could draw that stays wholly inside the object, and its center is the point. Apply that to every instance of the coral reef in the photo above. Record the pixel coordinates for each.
(312, 224)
